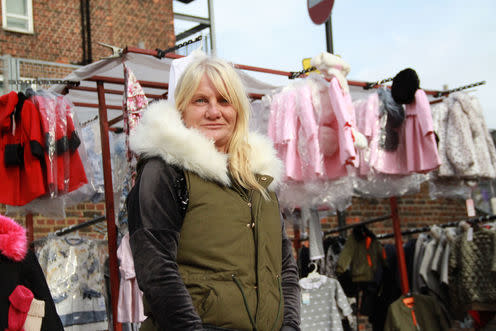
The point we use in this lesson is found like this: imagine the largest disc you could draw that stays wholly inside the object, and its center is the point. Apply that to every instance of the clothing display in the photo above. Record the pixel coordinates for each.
(75, 278)
(423, 314)
(317, 141)
(321, 298)
(417, 150)
(188, 178)
(25, 298)
(21, 150)
(135, 102)
(362, 254)
(472, 271)
(130, 304)
(372, 121)
(40, 149)
(90, 134)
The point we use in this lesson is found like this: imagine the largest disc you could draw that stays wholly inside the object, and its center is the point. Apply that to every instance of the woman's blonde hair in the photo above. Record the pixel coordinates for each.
(226, 80)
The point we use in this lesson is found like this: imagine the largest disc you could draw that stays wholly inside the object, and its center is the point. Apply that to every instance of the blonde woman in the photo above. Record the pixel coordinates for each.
(209, 247)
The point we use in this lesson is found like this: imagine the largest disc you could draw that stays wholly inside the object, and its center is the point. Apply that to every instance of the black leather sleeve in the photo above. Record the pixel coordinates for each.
(155, 218)
(290, 285)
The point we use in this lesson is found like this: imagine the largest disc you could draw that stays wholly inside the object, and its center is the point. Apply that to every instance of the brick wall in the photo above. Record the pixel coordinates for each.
(414, 211)
(57, 29)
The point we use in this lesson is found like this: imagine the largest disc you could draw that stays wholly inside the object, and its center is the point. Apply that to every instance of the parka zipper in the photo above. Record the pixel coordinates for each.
(238, 284)
(280, 302)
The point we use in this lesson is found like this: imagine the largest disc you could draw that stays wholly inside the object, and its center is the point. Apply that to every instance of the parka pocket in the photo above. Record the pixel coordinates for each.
(203, 297)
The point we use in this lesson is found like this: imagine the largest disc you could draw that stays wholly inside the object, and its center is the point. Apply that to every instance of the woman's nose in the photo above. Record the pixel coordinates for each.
(213, 111)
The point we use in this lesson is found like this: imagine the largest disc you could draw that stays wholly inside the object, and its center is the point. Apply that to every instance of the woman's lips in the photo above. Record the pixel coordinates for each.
(213, 126)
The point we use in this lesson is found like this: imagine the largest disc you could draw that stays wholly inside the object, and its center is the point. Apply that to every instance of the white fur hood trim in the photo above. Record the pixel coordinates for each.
(161, 132)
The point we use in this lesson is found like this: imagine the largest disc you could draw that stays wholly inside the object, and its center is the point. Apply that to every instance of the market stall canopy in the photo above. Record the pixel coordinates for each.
(145, 67)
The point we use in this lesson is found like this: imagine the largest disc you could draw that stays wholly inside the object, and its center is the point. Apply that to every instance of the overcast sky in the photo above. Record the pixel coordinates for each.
(446, 42)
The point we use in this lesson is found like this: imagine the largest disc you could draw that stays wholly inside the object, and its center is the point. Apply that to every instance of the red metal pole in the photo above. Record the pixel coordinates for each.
(296, 239)
(29, 228)
(405, 288)
(109, 205)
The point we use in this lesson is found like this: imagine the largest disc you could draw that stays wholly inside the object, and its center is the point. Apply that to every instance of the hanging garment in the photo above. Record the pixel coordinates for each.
(74, 176)
(64, 170)
(74, 275)
(135, 102)
(19, 267)
(322, 302)
(424, 315)
(283, 129)
(316, 243)
(362, 254)
(367, 117)
(421, 147)
(21, 151)
(417, 150)
(130, 303)
(92, 142)
(472, 271)
(469, 147)
(260, 114)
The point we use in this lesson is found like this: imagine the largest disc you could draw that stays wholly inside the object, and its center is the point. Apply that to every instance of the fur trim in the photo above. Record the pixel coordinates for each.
(161, 132)
(264, 160)
(13, 241)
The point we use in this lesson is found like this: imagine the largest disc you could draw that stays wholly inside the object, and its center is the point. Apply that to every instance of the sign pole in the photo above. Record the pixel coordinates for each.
(328, 28)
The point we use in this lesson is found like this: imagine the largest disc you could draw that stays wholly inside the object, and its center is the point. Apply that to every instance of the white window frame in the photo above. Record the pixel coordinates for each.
(29, 18)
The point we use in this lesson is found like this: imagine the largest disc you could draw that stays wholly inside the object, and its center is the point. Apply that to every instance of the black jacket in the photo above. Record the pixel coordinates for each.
(20, 268)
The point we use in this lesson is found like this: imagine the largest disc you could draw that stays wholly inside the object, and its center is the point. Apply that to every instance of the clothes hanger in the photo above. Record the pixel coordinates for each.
(314, 274)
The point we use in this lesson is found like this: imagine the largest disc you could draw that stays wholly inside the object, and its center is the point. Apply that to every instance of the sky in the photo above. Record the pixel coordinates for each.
(446, 42)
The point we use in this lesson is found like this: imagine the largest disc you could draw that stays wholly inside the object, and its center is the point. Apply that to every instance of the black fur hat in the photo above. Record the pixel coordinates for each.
(404, 86)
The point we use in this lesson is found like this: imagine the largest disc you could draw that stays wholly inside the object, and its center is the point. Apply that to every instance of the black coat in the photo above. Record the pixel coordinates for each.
(28, 273)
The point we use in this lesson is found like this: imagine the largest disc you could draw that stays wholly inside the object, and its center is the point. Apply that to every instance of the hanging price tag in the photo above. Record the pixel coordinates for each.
(305, 298)
(493, 205)
(470, 207)
(470, 234)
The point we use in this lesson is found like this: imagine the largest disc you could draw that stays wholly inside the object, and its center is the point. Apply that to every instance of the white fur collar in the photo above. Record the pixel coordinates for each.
(161, 132)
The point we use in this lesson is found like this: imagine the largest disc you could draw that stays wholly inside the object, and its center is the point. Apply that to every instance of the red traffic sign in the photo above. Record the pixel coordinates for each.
(319, 10)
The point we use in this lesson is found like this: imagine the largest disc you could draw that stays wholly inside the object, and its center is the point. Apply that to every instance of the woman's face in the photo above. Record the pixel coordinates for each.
(211, 114)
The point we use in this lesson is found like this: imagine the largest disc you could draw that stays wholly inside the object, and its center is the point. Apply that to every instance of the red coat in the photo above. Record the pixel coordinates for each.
(64, 171)
(21, 151)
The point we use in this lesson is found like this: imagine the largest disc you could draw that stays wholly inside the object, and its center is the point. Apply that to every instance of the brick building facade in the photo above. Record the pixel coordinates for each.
(58, 30)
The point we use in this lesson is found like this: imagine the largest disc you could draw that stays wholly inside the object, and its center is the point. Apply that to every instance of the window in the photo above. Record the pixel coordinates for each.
(17, 15)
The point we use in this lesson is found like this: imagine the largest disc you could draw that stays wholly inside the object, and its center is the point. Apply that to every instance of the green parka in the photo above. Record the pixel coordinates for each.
(207, 251)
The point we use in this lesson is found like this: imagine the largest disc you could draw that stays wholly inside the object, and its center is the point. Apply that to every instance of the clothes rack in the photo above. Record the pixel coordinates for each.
(461, 88)
(354, 225)
(105, 126)
(161, 53)
(378, 83)
(71, 228)
(472, 221)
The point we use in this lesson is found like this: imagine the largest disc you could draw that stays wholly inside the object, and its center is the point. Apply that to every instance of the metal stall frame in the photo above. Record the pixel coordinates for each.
(106, 125)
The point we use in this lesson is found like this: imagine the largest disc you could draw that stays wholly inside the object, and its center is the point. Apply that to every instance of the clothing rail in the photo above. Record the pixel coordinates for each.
(161, 53)
(465, 87)
(354, 225)
(377, 84)
(71, 228)
(444, 225)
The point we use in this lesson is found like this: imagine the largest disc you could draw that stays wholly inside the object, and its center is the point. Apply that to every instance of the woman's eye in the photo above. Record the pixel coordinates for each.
(200, 100)
(223, 101)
